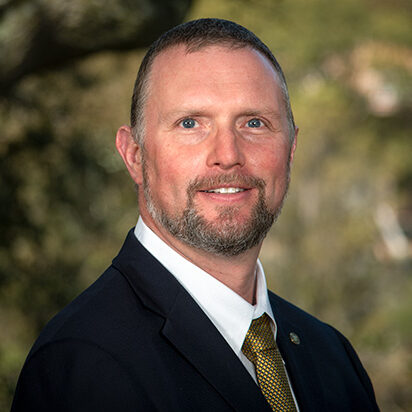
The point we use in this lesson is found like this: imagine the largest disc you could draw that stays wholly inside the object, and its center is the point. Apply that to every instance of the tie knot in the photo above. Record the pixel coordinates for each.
(258, 338)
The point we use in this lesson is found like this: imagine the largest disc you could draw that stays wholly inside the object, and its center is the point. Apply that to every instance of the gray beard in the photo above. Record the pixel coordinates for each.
(224, 236)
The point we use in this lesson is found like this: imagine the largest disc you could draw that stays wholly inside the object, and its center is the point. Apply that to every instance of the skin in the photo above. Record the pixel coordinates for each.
(223, 91)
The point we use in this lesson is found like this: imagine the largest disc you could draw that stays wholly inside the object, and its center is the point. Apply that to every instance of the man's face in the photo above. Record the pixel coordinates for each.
(217, 151)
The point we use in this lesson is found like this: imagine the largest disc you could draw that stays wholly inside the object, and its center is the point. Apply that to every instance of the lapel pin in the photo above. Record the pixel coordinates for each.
(294, 338)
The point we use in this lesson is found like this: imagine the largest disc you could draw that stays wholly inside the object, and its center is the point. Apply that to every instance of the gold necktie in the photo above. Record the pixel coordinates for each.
(261, 349)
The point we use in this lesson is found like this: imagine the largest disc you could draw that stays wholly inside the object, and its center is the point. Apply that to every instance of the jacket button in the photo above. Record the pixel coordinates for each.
(294, 338)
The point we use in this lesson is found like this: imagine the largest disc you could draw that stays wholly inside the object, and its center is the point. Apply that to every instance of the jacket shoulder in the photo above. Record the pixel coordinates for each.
(92, 314)
(325, 345)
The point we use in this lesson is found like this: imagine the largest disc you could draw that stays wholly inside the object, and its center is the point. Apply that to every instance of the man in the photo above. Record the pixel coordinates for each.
(182, 320)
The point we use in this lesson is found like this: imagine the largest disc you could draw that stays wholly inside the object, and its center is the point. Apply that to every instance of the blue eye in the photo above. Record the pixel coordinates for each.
(188, 123)
(254, 123)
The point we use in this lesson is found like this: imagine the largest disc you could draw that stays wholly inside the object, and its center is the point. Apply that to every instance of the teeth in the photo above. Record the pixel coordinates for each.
(226, 190)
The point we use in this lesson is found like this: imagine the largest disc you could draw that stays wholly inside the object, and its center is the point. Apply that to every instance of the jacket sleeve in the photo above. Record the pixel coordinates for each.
(73, 375)
(360, 370)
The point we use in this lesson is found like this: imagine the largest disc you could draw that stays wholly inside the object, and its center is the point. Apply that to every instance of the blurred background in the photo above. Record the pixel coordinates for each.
(342, 248)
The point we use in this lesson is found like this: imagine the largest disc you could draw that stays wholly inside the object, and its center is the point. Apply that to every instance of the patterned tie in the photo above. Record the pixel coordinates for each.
(260, 348)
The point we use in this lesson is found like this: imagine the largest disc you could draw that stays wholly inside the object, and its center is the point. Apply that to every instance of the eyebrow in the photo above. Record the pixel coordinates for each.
(176, 114)
(187, 111)
(270, 113)
(204, 112)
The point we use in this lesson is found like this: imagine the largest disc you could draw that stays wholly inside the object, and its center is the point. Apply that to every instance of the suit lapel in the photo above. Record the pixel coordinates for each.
(188, 328)
(299, 362)
(197, 339)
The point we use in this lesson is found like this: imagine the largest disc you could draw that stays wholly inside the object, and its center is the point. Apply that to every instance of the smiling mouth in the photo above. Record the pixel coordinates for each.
(224, 190)
(225, 185)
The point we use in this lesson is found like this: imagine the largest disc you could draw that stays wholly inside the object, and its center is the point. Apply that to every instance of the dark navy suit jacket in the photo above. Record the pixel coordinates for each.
(136, 341)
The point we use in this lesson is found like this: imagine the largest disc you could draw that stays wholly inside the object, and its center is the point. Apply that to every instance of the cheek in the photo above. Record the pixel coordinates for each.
(274, 169)
(169, 177)
(179, 163)
(271, 162)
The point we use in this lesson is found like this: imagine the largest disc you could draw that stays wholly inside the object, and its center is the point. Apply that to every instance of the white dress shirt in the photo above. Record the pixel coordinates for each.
(228, 311)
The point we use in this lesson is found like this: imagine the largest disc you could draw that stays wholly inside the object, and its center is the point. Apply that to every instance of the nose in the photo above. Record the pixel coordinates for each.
(226, 149)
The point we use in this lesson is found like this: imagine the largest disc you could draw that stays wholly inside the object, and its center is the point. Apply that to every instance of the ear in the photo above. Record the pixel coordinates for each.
(293, 148)
(129, 150)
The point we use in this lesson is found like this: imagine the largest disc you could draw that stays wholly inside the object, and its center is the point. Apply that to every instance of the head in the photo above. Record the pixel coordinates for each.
(195, 35)
(211, 138)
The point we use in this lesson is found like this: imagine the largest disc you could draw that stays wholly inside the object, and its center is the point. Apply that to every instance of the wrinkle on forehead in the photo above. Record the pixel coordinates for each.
(175, 58)
(226, 70)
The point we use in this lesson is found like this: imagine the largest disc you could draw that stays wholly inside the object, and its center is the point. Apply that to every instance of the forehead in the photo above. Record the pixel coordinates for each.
(211, 63)
(214, 79)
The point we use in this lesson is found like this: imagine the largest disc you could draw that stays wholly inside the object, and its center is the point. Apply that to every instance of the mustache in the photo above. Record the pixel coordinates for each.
(233, 179)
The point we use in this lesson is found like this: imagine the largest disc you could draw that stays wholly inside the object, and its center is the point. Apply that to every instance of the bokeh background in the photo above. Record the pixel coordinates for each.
(342, 248)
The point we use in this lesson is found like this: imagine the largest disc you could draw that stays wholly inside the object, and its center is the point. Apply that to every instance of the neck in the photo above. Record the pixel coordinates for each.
(236, 272)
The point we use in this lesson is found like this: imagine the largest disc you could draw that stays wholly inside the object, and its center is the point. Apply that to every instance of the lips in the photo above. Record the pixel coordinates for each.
(224, 184)
(224, 190)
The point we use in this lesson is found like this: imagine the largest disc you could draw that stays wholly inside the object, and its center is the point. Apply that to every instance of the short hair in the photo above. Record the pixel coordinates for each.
(195, 35)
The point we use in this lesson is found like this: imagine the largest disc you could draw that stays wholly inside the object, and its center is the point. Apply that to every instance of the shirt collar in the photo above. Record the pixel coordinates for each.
(229, 312)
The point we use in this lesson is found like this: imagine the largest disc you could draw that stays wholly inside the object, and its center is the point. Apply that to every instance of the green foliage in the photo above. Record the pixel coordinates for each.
(342, 247)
